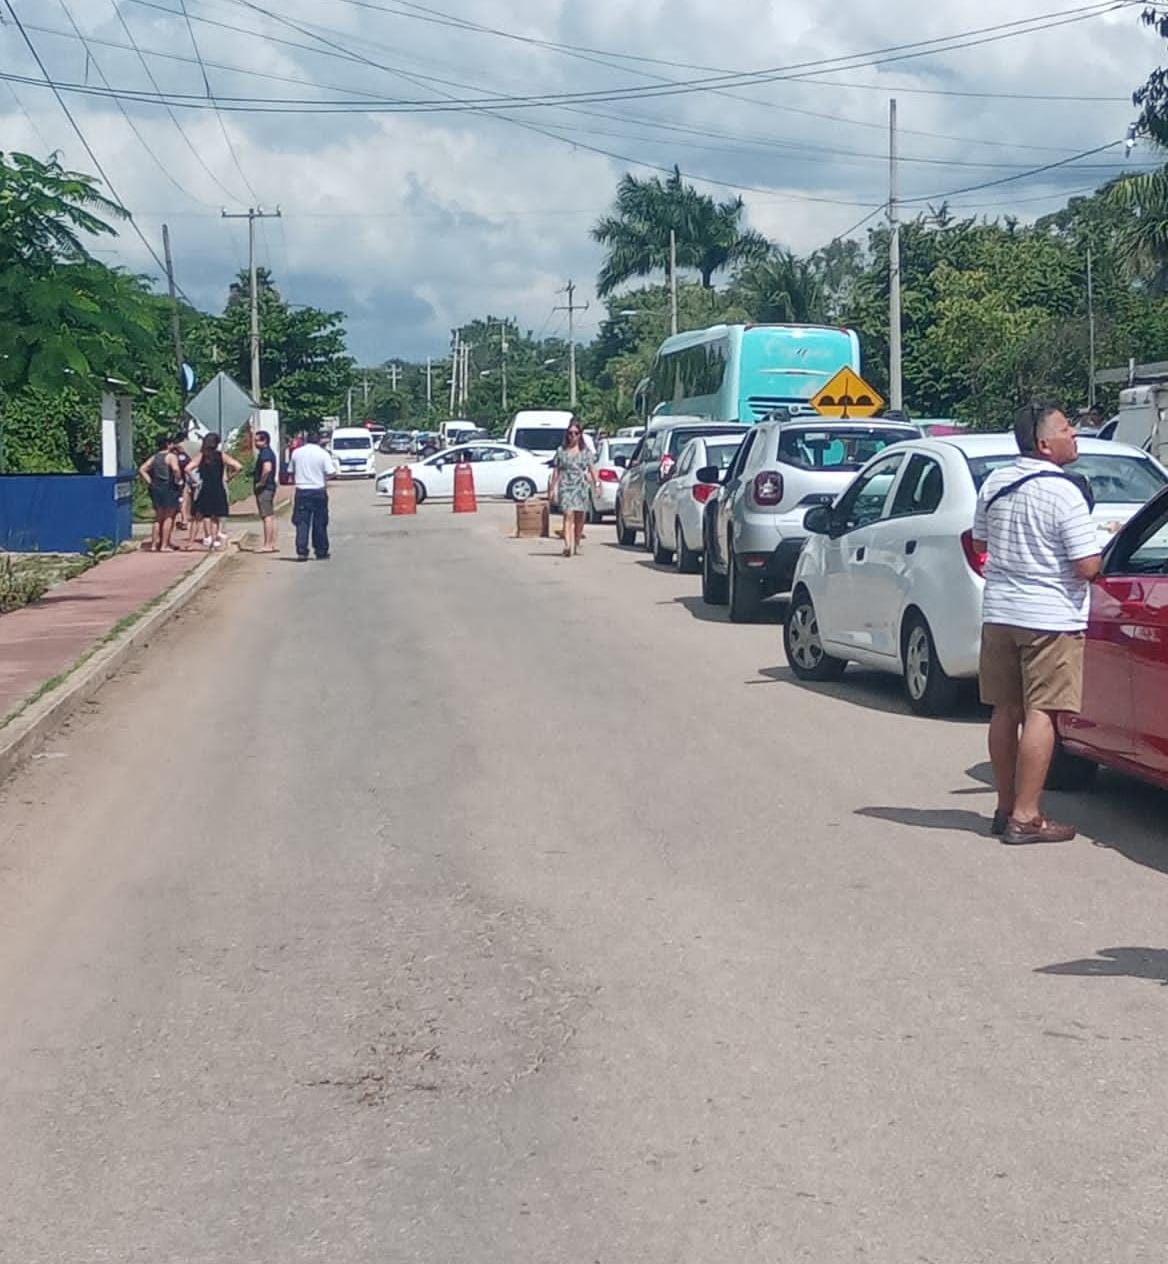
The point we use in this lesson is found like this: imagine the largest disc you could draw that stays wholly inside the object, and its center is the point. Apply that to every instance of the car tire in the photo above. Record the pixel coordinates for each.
(593, 514)
(661, 555)
(520, 489)
(419, 492)
(1070, 772)
(625, 536)
(714, 586)
(929, 690)
(803, 644)
(687, 561)
(744, 593)
(648, 543)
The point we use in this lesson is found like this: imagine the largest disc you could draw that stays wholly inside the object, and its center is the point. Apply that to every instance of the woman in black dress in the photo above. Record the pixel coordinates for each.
(213, 467)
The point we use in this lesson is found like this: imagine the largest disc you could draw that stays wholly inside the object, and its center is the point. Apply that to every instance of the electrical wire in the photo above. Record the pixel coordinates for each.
(990, 184)
(211, 97)
(154, 83)
(87, 146)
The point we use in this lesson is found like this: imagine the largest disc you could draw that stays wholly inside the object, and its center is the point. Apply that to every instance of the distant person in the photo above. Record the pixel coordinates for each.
(264, 485)
(163, 475)
(1034, 522)
(210, 508)
(573, 481)
(312, 467)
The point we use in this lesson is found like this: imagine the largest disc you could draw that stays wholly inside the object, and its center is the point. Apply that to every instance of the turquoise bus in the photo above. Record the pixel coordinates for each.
(745, 372)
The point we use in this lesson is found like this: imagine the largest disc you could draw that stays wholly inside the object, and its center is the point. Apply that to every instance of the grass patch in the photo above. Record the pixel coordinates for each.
(26, 577)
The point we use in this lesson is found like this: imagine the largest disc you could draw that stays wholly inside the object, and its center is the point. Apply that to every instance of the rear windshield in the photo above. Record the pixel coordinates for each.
(543, 438)
(837, 447)
(621, 447)
(1115, 480)
(350, 444)
(679, 438)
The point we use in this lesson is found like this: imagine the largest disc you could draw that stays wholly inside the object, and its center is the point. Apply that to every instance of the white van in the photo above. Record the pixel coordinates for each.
(353, 452)
(541, 430)
(454, 432)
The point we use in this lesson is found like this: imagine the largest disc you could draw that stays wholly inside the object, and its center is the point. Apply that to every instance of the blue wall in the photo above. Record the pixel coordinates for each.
(58, 513)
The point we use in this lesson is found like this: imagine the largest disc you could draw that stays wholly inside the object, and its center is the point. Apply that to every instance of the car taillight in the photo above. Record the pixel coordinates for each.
(977, 560)
(607, 476)
(768, 488)
(703, 491)
(667, 463)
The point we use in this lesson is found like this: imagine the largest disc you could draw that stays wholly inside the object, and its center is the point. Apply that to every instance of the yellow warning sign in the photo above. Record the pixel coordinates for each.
(847, 395)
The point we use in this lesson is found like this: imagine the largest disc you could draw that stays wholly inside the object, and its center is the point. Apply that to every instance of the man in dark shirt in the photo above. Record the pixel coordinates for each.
(264, 478)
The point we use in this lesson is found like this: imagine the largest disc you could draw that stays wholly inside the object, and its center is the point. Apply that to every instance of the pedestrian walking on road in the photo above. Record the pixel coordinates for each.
(312, 467)
(573, 482)
(1034, 521)
(264, 481)
(210, 507)
(163, 475)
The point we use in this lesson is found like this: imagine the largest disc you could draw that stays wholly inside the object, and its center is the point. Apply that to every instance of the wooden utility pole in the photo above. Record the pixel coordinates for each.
(175, 326)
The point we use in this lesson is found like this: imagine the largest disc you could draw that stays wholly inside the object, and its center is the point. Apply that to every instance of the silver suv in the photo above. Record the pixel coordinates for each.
(752, 530)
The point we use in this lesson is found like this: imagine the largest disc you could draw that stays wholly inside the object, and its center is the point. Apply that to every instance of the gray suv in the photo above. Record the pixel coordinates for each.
(752, 530)
(650, 464)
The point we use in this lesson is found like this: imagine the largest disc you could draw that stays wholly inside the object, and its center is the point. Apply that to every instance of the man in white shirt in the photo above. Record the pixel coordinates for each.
(312, 467)
(1034, 521)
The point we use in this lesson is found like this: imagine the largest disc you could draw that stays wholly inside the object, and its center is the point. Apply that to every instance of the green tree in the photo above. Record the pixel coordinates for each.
(709, 234)
(781, 287)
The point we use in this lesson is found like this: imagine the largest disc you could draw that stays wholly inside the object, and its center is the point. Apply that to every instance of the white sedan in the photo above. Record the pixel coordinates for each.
(888, 577)
(500, 469)
(681, 500)
(608, 474)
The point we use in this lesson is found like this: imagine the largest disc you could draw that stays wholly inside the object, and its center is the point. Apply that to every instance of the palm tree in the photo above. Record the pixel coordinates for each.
(709, 234)
(1141, 237)
(781, 287)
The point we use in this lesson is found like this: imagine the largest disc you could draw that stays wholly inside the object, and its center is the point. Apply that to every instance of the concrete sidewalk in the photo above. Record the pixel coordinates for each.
(44, 640)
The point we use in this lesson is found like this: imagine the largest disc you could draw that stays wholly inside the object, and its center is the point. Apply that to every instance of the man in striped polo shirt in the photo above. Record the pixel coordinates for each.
(1034, 521)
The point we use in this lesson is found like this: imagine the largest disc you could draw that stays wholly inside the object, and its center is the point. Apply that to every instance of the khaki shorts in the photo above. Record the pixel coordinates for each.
(266, 502)
(1040, 671)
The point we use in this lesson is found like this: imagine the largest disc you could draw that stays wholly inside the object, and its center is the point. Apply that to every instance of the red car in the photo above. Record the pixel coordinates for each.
(1124, 721)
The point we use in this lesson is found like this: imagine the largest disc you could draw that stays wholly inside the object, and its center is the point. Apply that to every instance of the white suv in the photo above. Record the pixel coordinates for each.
(752, 530)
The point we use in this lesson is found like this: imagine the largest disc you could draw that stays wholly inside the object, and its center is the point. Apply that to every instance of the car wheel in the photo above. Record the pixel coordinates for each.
(687, 560)
(593, 514)
(419, 491)
(930, 691)
(803, 644)
(714, 590)
(521, 489)
(661, 555)
(647, 533)
(744, 592)
(625, 536)
(1069, 772)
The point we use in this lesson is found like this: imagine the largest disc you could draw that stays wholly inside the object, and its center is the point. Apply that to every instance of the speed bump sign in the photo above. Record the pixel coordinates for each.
(848, 395)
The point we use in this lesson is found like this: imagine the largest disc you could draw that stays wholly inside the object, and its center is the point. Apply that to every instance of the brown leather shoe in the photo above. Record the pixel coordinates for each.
(1041, 830)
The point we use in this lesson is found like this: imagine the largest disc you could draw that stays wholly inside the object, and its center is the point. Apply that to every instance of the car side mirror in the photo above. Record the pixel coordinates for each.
(621, 462)
(818, 520)
(709, 474)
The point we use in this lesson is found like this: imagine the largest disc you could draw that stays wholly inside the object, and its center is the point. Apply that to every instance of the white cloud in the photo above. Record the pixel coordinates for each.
(412, 224)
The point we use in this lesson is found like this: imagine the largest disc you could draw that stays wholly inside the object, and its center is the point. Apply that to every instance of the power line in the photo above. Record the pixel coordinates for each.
(85, 143)
(154, 83)
(990, 184)
(211, 98)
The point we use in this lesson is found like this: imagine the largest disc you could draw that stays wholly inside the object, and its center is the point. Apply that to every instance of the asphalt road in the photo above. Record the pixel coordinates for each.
(451, 901)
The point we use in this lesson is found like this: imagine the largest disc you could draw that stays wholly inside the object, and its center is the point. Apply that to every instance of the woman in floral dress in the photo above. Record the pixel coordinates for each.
(573, 478)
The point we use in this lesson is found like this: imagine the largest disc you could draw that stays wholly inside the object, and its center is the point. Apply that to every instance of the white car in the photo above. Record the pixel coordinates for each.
(888, 577)
(681, 500)
(500, 469)
(354, 452)
(608, 473)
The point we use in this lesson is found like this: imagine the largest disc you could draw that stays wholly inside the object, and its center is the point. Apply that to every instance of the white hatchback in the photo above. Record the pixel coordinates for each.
(608, 473)
(681, 500)
(500, 469)
(888, 577)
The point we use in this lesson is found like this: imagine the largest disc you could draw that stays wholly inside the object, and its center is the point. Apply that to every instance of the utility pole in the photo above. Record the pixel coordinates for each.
(673, 280)
(365, 389)
(429, 385)
(503, 354)
(895, 385)
(455, 363)
(175, 328)
(1090, 325)
(254, 213)
(572, 307)
(394, 374)
(465, 395)
(349, 406)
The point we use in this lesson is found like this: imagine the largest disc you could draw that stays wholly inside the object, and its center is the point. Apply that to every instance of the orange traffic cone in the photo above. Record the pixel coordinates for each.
(405, 498)
(464, 492)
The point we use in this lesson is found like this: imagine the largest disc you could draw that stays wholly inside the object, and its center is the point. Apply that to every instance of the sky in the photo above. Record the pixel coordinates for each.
(412, 219)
